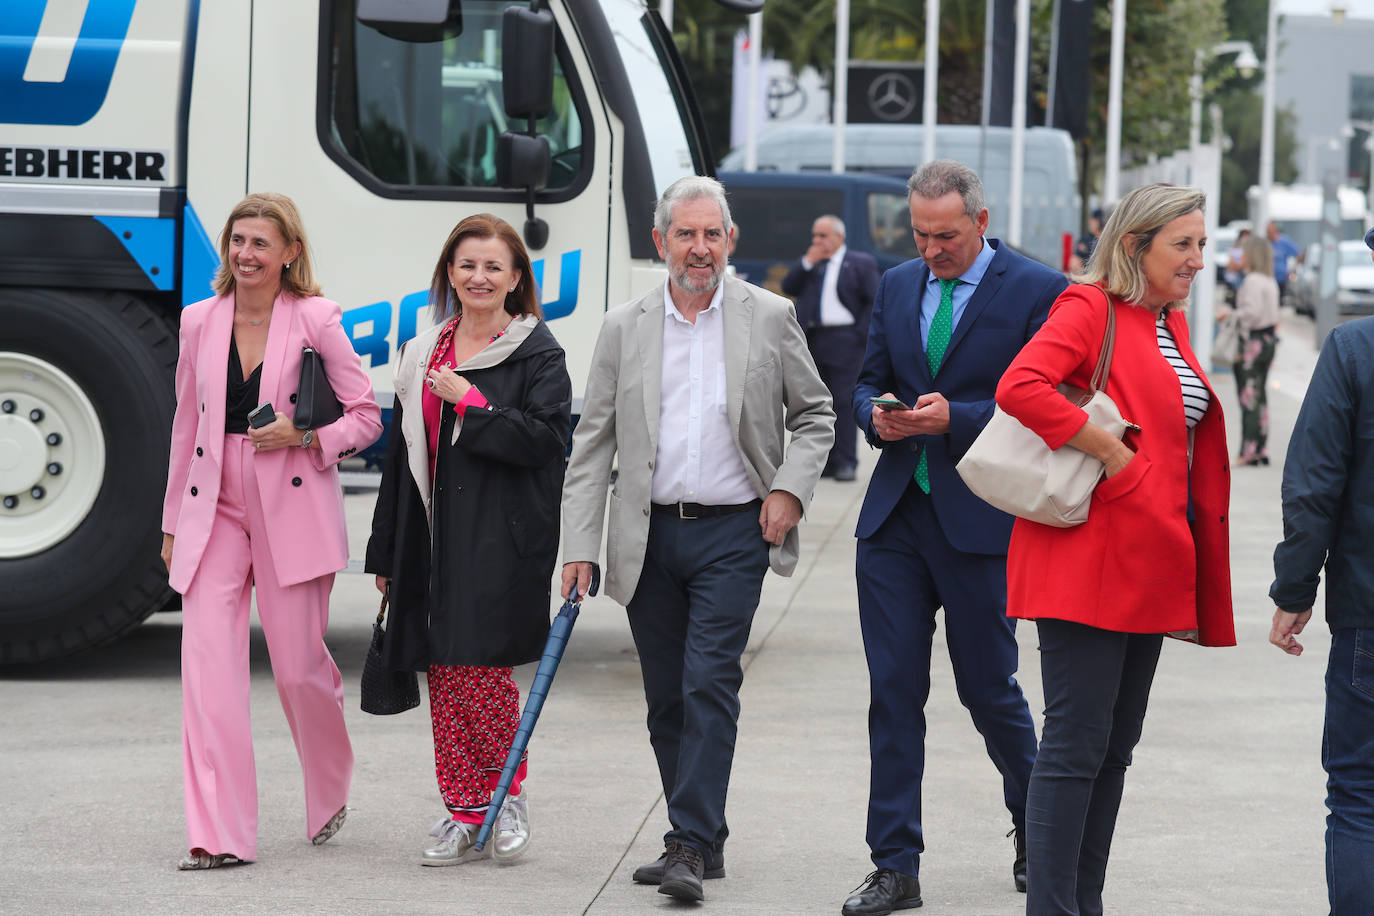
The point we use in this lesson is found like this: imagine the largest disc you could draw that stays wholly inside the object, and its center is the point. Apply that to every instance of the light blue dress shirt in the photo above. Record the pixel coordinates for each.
(930, 302)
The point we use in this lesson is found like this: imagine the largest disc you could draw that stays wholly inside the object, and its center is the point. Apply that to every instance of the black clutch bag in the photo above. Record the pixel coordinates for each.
(386, 692)
(316, 405)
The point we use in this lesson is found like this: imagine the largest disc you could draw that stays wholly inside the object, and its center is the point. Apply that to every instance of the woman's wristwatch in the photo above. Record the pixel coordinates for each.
(307, 437)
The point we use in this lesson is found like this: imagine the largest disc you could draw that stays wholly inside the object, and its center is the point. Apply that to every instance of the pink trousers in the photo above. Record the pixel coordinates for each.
(217, 742)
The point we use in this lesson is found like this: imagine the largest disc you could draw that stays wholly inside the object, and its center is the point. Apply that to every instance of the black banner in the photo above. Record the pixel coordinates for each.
(1003, 62)
(1072, 76)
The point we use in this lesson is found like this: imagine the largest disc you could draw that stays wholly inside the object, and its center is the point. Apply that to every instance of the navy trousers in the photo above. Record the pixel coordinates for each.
(839, 353)
(906, 571)
(690, 617)
(1097, 684)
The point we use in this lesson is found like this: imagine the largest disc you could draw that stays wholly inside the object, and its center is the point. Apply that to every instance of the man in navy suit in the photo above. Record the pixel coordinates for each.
(943, 330)
(834, 287)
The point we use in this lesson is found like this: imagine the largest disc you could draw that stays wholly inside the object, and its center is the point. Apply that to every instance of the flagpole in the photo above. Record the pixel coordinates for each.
(751, 130)
(840, 102)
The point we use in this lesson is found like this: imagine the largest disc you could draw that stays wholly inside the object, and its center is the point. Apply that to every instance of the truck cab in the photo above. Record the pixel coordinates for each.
(130, 128)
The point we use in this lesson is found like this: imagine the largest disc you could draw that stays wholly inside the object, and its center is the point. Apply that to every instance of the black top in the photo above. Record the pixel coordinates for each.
(475, 591)
(240, 395)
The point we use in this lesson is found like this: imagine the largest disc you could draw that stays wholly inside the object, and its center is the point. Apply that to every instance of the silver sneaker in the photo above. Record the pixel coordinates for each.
(512, 830)
(455, 843)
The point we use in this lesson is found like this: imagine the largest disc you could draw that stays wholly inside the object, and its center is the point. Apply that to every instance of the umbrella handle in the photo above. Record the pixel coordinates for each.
(575, 598)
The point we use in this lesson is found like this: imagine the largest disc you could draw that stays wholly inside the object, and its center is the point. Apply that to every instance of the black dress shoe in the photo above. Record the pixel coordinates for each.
(845, 475)
(653, 872)
(682, 873)
(882, 892)
(1018, 865)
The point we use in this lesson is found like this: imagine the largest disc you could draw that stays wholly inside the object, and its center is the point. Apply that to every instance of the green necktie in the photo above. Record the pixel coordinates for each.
(937, 341)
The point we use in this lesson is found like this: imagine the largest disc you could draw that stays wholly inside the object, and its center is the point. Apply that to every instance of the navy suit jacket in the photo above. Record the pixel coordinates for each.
(855, 286)
(1005, 311)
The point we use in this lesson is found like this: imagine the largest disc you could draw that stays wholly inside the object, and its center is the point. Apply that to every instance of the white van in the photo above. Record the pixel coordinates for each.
(1050, 200)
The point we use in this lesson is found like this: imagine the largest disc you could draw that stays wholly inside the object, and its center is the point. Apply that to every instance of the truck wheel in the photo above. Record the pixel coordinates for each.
(86, 402)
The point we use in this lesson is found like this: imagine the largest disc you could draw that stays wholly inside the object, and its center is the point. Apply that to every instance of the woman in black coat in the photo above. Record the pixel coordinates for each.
(465, 532)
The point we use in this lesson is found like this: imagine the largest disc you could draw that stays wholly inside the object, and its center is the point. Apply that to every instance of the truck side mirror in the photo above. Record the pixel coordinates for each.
(527, 62)
(414, 21)
(522, 161)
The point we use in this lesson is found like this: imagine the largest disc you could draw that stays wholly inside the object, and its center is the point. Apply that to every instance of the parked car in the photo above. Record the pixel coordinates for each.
(775, 210)
(1354, 280)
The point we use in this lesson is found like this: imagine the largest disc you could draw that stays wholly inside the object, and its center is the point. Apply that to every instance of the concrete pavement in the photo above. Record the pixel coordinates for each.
(1223, 810)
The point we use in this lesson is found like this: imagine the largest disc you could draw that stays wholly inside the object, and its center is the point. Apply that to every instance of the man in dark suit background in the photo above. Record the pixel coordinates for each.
(834, 288)
(943, 331)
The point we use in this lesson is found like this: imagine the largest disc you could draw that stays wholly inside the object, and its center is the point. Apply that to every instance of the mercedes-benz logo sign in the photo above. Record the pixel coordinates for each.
(892, 97)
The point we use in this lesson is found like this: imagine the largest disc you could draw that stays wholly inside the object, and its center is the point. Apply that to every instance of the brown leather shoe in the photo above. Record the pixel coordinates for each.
(653, 872)
(682, 873)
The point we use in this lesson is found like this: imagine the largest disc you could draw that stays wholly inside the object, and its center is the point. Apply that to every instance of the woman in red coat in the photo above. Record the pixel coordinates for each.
(1151, 560)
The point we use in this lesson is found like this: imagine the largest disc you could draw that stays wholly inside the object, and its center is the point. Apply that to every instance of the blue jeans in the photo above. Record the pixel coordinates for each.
(1348, 757)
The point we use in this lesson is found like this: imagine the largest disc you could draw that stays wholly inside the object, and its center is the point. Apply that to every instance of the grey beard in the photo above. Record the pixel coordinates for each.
(683, 281)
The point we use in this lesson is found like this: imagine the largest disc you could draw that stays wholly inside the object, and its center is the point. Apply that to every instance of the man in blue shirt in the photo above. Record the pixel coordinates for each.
(1328, 520)
(1284, 254)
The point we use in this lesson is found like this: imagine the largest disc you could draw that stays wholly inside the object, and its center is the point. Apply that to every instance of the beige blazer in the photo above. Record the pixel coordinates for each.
(773, 387)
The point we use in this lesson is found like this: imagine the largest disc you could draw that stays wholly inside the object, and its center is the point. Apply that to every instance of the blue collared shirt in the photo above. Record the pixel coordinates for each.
(930, 302)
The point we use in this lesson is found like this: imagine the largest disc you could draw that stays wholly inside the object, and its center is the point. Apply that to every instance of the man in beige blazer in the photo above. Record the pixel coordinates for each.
(692, 387)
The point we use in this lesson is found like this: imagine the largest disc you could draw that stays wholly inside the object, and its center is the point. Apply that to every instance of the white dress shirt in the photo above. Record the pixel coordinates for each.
(833, 312)
(697, 460)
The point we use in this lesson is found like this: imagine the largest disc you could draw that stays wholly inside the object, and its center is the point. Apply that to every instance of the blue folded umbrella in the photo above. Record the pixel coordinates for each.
(559, 632)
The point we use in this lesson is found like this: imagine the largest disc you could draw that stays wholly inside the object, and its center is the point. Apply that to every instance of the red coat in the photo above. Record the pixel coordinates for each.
(1136, 565)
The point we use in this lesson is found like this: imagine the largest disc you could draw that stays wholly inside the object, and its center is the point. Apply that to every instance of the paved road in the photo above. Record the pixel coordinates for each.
(1223, 810)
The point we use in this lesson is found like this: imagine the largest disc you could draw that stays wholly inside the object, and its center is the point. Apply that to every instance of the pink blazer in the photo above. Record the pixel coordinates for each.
(301, 497)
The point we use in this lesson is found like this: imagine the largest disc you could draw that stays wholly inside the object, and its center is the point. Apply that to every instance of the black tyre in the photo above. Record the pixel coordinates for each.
(86, 402)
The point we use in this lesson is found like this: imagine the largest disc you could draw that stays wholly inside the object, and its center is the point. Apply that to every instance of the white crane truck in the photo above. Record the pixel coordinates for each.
(129, 128)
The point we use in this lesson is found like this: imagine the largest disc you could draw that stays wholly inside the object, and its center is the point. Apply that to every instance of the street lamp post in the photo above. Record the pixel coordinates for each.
(1266, 164)
(1204, 169)
(1246, 63)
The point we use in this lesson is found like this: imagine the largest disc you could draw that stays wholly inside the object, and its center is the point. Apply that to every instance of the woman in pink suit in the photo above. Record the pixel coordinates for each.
(260, 507)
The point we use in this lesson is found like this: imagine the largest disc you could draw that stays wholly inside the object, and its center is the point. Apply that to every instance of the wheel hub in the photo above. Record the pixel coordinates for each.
(52, 455)
(23, 455)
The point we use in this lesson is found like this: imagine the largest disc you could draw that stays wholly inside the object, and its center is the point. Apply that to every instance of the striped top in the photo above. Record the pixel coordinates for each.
(1196, 397)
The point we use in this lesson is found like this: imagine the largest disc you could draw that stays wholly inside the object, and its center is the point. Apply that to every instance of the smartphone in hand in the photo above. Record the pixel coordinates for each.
(888, 404)
(262, 415)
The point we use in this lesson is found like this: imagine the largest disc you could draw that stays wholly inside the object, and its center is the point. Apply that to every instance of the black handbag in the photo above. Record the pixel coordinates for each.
(316, 405)
(386, 692)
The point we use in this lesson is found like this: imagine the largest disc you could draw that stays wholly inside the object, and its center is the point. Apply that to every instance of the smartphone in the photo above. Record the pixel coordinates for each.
(888, 404)
(262, 415)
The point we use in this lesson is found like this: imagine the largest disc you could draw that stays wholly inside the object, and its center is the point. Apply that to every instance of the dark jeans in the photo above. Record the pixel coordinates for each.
(1348, 756)
(690, 617)
(907, 570)
(1097, 684)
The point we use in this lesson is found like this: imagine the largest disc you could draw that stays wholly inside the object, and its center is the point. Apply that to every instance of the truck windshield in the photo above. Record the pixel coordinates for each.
(417, 115)
(663, 111)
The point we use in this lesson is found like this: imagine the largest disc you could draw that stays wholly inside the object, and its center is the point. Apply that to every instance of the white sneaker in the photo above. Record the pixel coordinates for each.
(512, 830)
(455, 843)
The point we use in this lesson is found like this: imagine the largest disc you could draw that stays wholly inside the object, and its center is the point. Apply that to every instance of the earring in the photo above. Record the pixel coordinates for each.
(288, 265)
